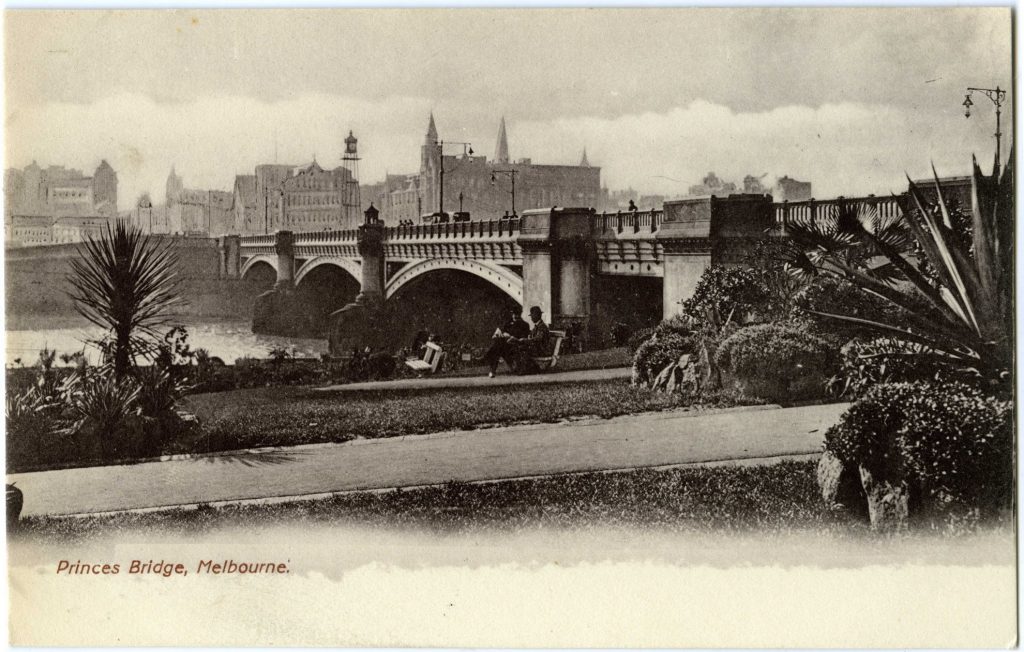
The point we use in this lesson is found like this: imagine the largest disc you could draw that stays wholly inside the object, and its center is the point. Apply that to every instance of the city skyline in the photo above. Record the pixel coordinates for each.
(655, 117)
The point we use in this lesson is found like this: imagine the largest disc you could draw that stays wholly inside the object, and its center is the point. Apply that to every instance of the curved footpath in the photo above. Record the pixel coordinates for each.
(642, 440)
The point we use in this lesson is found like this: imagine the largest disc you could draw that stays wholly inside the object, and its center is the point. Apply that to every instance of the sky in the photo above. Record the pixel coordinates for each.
(849, 99)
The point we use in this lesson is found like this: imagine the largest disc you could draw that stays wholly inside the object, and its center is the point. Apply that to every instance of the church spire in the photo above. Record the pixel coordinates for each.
(431, 131)
(501, 150)
(584, 163)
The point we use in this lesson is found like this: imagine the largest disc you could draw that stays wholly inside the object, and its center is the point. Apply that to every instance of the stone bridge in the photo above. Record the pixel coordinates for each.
(577, 265)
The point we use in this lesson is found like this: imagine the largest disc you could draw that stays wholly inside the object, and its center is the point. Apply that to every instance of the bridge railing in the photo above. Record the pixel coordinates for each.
(787, 212)
(628, 221)
(472, 229)
(340, 235)
(257, 240)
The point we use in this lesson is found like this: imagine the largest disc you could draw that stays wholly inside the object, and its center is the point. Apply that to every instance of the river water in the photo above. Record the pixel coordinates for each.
(228, 340)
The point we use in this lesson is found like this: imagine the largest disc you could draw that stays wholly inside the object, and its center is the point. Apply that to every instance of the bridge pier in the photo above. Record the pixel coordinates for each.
(361, 323)
(558, 264)
(284, 247)
(277, 311)
(704, 231)
(230, 249)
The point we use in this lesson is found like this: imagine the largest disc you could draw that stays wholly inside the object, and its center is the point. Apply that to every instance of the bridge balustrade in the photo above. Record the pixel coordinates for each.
(628, 222)
(319, 237)
(257, 240)
(471, 229)
(809, 211)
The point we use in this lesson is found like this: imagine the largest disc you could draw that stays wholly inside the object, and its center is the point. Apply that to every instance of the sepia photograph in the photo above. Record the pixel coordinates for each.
(511, 327)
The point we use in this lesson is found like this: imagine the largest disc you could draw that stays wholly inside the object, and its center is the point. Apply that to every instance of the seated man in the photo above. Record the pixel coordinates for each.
(536, 344)
(504, 341)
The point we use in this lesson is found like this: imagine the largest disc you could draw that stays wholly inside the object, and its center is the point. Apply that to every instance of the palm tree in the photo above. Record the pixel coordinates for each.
(125, 282)
(959, 305)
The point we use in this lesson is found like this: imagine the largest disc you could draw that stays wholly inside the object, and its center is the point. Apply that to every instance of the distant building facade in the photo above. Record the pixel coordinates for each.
(316, 199)
(787, 189)
(485, 185)
(59, 191)
(57, 204)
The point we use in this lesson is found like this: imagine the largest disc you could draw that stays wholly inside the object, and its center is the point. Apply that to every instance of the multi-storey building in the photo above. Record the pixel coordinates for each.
(59, 191)
(483, 187)
(317, 199)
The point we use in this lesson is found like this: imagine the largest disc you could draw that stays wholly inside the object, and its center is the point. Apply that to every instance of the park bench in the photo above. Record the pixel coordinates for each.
(548, 362)
(433, 355)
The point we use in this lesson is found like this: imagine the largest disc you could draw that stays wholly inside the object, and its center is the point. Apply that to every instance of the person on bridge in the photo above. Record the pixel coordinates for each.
(504, 342)
(632, 206)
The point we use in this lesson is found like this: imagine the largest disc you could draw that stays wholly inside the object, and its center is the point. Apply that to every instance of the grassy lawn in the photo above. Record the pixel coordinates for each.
(767, 499)
(288, 416)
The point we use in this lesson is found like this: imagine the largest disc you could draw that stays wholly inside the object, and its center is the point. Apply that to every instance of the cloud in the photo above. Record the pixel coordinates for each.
(849, 149)
(843, 148)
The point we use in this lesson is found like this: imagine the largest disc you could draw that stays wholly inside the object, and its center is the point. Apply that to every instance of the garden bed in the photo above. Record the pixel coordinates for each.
(766, 499)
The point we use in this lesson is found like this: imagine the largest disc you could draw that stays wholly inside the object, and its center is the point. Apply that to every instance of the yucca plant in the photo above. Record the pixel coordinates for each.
(959, 305)
(125, 282)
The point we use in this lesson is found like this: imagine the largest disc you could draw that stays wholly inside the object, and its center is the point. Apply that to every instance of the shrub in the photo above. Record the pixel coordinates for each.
(777, 361)
(951, 443)
(31, 425)
(735, 292)
(620, 334)
(828, 294)
(864, 364)
(103, 413)
(658, 352)
(637, 338)
(380, 365)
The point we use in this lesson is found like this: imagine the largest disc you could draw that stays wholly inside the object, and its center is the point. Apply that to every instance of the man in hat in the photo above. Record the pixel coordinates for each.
(504, 342)
(536, 344)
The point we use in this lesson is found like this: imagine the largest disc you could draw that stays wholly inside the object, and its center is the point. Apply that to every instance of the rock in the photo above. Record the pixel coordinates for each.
(661, 380)
(840, 485)
(830, 472)
(15, 500)
(888, 502)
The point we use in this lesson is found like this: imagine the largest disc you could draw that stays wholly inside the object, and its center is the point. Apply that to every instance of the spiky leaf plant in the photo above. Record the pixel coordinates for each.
(961, 307)
(125, 282)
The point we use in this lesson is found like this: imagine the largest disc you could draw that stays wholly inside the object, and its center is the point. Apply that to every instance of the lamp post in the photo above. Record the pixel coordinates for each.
(511, 174)
(997, 95)
(466, 149)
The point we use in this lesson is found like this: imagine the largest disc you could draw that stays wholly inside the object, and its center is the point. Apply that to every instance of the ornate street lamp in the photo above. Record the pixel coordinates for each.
(511, 174)
(997, 95)
(466, 149)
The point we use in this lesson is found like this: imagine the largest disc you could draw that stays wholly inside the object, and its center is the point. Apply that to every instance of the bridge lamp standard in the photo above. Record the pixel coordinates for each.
(511, 174)
(467, 149)
(997, 95)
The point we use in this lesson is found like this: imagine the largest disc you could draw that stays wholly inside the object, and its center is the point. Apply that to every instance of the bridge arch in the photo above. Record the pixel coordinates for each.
(251, 262)
(505, 280)
(352, 267)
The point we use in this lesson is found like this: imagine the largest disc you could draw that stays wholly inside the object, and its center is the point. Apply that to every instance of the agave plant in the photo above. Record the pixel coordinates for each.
(124, 282)
(959, 305)
(102, 407)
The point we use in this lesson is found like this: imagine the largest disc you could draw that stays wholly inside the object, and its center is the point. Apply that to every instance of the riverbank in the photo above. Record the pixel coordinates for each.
(228, 339)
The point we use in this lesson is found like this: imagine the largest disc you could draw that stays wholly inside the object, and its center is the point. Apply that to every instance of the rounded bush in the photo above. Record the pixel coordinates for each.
(777, 361)
(659, 351)
(637, 338)
(864, 364)
(952, 443)
(734, 292)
